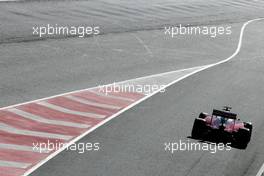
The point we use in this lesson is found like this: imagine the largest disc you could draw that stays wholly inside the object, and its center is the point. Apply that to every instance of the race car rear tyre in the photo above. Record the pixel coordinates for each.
(249, 126)
(242, 138)
(203, 115)
(198, 128)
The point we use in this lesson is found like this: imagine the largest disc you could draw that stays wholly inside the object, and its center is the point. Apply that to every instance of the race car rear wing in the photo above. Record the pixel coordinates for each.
(224, 114)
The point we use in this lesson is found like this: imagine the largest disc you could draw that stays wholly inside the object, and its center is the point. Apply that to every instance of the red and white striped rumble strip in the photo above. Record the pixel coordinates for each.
(58, 119)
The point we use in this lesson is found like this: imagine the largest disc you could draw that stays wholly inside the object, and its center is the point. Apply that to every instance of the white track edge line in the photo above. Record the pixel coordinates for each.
(261, 171)
(141, 100)
(82, 90)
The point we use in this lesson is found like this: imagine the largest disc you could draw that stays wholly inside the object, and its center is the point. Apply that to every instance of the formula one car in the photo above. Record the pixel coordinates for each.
(222, 126)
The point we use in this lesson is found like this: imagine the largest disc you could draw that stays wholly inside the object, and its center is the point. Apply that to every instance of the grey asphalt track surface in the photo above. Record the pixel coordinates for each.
(133, 143)
(38, 69)
(119, 16)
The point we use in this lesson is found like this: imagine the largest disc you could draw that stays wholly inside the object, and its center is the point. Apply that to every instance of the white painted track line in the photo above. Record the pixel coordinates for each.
(92, 88)
(199, 69)
(261, 171)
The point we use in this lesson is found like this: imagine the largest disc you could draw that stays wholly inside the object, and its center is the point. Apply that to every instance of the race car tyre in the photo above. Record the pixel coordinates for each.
(203, 115)
(198, 128)
(242, 138)
(249, 126)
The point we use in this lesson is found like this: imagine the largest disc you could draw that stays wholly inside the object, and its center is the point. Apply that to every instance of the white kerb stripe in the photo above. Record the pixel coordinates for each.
(87, 102)
(23, 148)
(111, 96)
(14, 164)
(69, 111)
(13, 130)
(47, 121)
